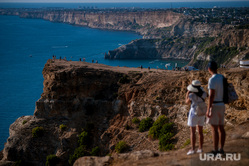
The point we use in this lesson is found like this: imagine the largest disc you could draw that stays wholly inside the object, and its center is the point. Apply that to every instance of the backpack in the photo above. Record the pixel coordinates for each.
(201, 108)
(229, 93)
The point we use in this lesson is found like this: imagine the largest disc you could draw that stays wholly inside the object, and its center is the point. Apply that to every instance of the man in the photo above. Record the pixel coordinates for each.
(216, 108)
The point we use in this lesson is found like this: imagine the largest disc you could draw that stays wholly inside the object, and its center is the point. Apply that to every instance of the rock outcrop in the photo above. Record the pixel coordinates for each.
(105, 99)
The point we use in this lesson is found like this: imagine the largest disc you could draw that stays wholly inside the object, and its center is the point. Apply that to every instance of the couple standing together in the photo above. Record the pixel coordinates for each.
(214, 113)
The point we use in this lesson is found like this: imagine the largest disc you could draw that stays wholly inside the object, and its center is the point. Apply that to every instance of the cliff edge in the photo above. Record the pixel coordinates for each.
(103, 100)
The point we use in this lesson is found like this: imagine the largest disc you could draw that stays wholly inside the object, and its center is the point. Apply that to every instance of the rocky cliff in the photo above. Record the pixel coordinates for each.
(103, 100)
(166, 34)
(138, 21)
(149, 23)
(227, 49)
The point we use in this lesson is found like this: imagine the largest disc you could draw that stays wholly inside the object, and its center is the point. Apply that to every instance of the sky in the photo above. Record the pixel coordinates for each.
(114, 1)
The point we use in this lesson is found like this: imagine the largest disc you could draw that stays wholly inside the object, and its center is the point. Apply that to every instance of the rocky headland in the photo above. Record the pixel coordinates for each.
(103, 101)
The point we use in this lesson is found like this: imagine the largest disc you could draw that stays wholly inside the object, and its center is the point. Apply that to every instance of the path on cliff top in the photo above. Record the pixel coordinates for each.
(237, 142)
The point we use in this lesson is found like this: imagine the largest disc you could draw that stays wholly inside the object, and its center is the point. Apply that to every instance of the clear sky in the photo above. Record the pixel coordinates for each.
(114, 1)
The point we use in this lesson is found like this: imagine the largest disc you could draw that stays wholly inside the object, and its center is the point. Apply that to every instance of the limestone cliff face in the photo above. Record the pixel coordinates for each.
(228, 49)
(115, 20)
(73, 96)
(137, 49)
(105, 99)
(186, 27)
(153, 49)
(234, 38)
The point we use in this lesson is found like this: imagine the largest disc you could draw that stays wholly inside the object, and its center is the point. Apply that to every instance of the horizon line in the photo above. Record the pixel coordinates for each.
(137, 1)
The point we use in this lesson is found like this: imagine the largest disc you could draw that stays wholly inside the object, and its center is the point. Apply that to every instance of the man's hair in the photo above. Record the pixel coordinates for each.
(212, 65)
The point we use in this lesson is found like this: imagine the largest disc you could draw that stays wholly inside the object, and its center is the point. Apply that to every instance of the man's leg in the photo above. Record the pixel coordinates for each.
(222, 136)
(215, 136)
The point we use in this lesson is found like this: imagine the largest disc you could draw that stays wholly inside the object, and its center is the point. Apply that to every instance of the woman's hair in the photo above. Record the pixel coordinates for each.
(200, 91)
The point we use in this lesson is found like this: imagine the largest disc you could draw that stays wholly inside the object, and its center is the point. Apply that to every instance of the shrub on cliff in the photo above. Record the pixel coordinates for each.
(78, 152)
(84, 138)
(52, 160)
(135, 120)
(95, 151)
(63, 127)
(121, 147)
(145, 124)
(186, 143)
(37, 132)
(157, 128)
(24, 122)
(166, 142)
(167, 128)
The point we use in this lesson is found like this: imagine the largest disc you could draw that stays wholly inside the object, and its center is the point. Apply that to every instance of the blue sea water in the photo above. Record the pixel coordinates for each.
(26, 45)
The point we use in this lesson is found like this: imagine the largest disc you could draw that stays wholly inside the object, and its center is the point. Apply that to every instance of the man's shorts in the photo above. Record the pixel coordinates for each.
(217, 115)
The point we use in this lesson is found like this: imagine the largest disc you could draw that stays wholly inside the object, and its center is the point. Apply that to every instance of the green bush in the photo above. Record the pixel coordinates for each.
(167, 128)
(161, 120)
(63, 127)
(24, 122)
(78, 152)
(37, 132)
(187, 142)
(145, 124)
(135, 120)
(84, 138)
(121, 147)
(52, 160)
(156, 130)
(95, 151)
(166, 142)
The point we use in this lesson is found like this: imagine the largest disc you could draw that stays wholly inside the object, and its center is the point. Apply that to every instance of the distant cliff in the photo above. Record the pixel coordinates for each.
(138, 21)
(149, 23)
(166, 34)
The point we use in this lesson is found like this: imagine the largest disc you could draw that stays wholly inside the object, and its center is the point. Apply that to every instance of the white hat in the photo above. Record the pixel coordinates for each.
(192, 87)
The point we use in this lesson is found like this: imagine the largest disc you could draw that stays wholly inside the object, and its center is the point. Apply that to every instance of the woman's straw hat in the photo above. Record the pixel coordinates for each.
(193, 87)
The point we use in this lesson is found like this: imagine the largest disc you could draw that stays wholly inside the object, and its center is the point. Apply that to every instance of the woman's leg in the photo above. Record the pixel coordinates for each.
(200, 131)
(192, 137)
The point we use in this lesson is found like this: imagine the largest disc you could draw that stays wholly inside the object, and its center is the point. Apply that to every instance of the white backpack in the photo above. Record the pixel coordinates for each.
(201, 108)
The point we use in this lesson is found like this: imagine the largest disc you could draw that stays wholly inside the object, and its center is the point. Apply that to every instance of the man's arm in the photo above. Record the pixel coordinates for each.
(210, 102)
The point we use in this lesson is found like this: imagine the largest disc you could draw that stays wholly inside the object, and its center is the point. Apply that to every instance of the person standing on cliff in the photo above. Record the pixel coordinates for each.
(195, 95)
(216, 108)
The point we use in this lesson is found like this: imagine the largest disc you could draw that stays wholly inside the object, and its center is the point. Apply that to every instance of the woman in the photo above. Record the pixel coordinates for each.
(194, 95)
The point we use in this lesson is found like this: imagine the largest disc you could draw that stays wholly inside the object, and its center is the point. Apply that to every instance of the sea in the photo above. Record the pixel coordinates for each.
(27, 44)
